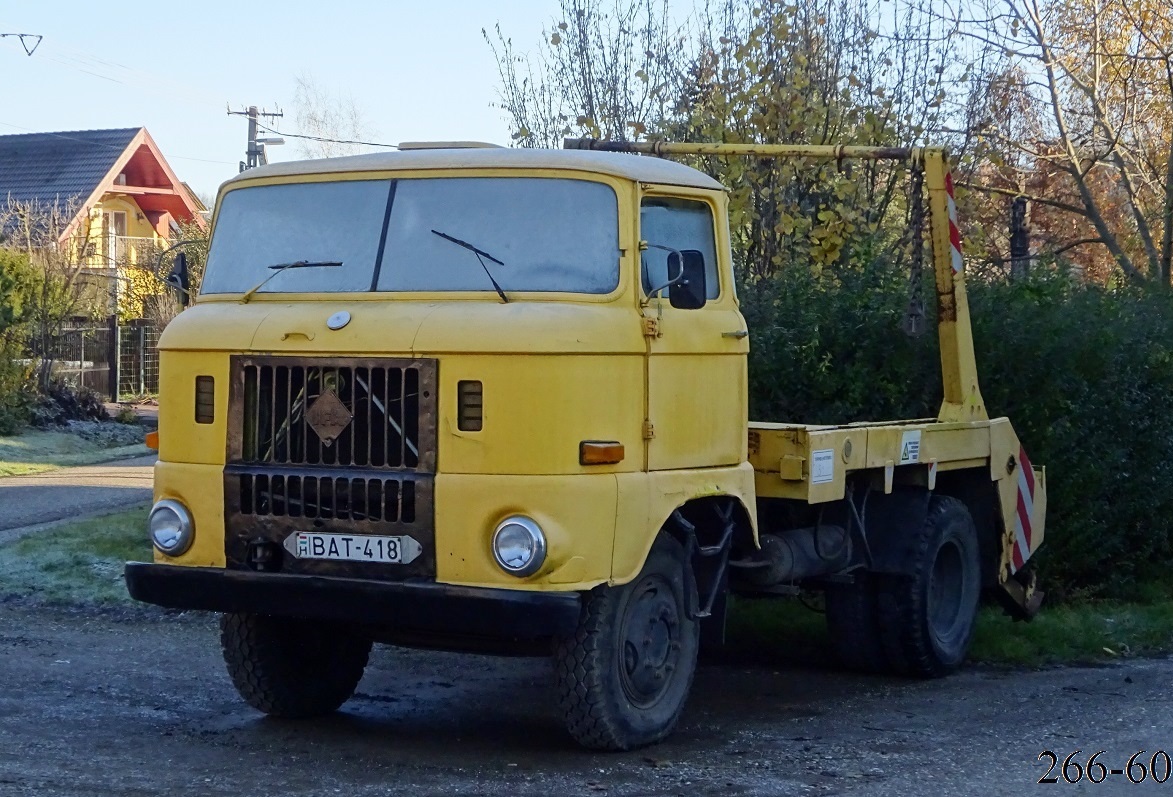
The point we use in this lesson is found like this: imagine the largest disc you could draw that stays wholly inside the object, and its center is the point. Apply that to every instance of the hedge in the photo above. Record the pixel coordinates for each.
(1085, 373)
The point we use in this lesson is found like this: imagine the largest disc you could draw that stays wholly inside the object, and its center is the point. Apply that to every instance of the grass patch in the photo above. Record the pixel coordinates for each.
(76, 563)
(37, 451)
(1085, 633)
(1078, 633)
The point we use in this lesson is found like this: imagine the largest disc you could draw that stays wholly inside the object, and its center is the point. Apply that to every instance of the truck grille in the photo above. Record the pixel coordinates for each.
(330, 444)
(390, 403)
(329, 497)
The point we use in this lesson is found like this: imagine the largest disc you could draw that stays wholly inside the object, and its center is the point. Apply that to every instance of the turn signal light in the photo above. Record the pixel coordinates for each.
(152, 440)
(600, 452)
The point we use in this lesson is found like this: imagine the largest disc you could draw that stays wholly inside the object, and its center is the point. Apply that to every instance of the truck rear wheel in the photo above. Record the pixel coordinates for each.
(927, 617)
(853, 625)
(624, 675)
(291, 668)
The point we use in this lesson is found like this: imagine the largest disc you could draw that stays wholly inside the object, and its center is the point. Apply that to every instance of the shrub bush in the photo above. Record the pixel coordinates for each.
(64, 402)
(1082, 371)
(17, 281)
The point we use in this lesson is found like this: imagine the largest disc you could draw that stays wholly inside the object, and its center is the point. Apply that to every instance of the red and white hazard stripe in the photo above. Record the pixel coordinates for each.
(1024, 543)
(954, 230)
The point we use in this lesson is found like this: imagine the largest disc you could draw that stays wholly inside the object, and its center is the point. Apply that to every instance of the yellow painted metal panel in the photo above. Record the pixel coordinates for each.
(1003, 445)
(697, 379)
(807, 463)
(646, 501)
(181, 439)
(577, 514)
(912, 444)
(201, 489)
(395, 328)
(538, 409)
(697, 405)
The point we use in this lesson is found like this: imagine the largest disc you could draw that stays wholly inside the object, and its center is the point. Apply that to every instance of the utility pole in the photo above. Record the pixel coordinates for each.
(1019, 238)
(256, 147)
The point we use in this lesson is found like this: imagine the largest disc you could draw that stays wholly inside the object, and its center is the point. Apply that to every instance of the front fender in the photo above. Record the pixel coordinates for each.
(647, 500)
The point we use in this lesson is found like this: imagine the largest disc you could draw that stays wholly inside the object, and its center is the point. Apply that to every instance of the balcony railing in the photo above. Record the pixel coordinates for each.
(118, 250)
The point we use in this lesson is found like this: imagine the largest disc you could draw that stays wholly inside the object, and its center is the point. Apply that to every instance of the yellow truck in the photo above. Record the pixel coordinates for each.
(491, 399)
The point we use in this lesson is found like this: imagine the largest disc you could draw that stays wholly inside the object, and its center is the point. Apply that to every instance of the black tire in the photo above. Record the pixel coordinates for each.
(291, 668)
(625, 673)
(927, 618)
(853, 625)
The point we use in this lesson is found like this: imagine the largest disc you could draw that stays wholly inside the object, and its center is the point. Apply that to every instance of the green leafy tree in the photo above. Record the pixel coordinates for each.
(18, 285)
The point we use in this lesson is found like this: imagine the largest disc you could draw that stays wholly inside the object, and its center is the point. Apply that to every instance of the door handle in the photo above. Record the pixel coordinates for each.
(739, 334)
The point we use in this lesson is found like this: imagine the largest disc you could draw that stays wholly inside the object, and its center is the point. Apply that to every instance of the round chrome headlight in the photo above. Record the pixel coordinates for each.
(519, 546)
(172, 529)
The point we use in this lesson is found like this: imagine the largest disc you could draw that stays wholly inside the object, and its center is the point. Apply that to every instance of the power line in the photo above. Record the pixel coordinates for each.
(327, 140)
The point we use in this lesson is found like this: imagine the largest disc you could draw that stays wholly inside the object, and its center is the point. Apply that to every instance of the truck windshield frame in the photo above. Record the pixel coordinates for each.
(557, 235)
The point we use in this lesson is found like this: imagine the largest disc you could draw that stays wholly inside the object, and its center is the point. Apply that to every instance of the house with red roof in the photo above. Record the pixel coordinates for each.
(115, 198)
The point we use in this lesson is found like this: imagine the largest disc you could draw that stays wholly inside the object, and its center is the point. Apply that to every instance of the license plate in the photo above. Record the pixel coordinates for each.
(352, 547)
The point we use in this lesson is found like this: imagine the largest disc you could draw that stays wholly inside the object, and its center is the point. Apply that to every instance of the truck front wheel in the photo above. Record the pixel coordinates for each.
(927, 617)
(291, 668)
(624, 675)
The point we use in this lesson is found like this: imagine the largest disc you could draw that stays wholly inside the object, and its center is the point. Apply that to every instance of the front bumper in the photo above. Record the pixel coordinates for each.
(401, 607)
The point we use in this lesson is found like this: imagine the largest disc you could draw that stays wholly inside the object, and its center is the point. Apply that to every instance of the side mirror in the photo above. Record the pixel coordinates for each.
(688, 291)
(180, 279)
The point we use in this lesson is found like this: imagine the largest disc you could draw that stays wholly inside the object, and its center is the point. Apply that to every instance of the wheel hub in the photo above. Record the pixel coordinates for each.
(650, 640)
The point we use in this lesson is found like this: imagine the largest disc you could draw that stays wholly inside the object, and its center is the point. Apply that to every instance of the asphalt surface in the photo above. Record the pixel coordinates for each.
(73, 492)
(138, 703)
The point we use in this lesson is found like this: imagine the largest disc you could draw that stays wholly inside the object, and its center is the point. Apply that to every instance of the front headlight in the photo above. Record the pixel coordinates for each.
(519, 546)
(172, 529)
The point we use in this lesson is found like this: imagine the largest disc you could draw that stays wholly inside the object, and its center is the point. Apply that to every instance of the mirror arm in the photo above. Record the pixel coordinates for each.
(671, 282)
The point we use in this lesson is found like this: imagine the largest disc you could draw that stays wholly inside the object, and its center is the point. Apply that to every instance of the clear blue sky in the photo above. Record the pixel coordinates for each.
(418, 71)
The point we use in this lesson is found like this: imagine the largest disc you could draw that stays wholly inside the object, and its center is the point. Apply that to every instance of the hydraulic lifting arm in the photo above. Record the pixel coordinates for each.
(962, 397)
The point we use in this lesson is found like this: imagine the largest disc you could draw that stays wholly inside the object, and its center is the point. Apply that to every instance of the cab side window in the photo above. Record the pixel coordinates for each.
(680, 224)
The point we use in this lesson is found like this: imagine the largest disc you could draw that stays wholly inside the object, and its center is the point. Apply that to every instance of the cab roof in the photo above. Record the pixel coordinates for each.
(642, 168)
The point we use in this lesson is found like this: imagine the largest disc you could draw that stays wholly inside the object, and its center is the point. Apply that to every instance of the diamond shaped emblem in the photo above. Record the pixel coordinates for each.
(328, 416)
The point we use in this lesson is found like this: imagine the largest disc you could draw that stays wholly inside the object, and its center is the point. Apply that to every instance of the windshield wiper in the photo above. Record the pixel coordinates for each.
(280, 267)
(479, 253)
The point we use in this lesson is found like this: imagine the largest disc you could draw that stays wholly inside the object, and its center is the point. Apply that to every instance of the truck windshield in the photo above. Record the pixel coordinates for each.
(552, 234)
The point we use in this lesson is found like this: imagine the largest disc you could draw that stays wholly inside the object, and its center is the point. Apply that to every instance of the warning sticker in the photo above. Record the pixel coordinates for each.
(823, 466)
(910, 447)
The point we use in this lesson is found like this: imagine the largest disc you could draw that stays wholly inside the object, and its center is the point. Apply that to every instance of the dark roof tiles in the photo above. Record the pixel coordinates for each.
(50, 168)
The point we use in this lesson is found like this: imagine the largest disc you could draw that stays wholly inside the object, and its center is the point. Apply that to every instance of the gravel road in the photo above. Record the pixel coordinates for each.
(73, 492)
(138, 703)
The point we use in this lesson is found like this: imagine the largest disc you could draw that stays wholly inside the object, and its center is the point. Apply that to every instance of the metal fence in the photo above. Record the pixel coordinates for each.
(81, 356)
(138, 359)
(115, 360)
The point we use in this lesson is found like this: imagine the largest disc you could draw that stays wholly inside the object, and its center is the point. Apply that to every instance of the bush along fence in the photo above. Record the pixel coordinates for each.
(1084, 371)
(108, 357)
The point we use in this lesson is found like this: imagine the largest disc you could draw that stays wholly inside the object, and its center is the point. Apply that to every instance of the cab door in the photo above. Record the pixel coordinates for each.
(697, 339)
